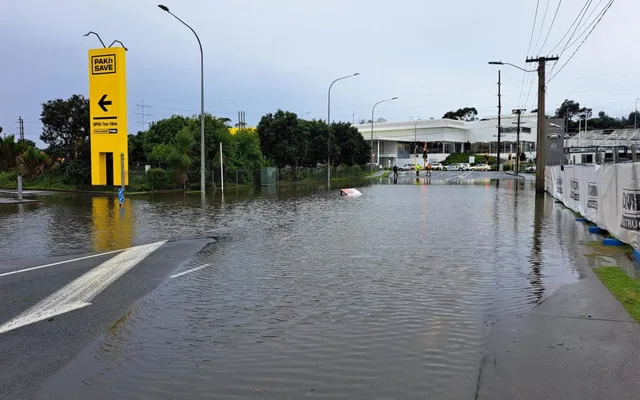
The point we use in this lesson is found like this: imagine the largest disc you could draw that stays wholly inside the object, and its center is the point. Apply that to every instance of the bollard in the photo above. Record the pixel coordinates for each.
(19, 187)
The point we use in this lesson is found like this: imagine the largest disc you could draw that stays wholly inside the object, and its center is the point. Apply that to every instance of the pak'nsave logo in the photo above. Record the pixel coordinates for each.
(592, 195)
(559, 184)
(630, 209)
(575, 189)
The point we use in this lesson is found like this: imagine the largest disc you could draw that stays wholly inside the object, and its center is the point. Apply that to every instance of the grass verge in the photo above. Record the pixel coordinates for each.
(623, 288)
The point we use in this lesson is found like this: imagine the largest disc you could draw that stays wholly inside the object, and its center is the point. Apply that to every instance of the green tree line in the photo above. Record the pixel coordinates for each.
(173, 145)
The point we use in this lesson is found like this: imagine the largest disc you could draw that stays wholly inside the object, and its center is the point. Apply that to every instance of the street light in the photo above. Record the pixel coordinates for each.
(202, 164)
(635, 115)
(372, 111)
(513, 65)
(329, 126)
(415, 142)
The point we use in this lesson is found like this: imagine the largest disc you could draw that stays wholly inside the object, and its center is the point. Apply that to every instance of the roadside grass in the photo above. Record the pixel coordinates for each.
(623, 288)
(598, 247)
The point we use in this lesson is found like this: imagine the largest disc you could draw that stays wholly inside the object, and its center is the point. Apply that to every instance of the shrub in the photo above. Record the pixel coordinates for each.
(158, 178)
(76, 173)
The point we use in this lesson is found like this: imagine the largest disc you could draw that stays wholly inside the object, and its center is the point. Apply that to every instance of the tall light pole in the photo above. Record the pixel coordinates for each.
(329, 126)
(415, 142)
(202, 152)
(372, 112)
(635, 115)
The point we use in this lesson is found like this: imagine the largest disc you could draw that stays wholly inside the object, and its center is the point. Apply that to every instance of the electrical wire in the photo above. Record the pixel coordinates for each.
(569, 30)
(551, 26)
(589, 25)
(533, 29)
(544, 18)
(607, 7)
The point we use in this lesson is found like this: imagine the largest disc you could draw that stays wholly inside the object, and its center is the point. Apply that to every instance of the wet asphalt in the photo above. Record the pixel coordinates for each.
(33, 353)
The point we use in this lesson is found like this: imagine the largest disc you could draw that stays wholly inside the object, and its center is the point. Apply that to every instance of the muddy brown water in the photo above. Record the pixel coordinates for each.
(389, 295)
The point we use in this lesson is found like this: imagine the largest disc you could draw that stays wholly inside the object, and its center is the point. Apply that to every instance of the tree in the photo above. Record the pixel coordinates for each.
(32, 162)
(281, 139)
(136, 147)
(463, 114)
(315, 133)
(66, 127)
(163, 131)
(380, 120)
(8, 152)
(247, 150)
(352, 148)
(568, 109)
(180, 156)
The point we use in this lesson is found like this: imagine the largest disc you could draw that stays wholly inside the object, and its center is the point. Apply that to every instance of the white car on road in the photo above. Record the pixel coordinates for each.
(481, 167)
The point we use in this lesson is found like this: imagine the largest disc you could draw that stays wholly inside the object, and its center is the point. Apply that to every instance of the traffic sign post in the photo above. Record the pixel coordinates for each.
(108, 112)
(121, 190)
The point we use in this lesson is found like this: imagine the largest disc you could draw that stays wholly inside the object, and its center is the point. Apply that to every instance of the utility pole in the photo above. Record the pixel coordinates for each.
(518, 112)
(499, 119)
(541, 156)
(21, 128)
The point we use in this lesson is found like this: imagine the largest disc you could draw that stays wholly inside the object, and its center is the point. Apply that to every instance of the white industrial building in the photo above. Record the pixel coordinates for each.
(584, 145)
(392, 140)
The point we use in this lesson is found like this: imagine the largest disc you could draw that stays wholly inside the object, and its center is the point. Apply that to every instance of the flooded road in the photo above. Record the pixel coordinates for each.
(389, 295)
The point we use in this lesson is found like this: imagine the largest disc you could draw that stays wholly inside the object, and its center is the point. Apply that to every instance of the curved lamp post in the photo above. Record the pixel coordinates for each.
(329, 126)
(202, 152)
(373, 109)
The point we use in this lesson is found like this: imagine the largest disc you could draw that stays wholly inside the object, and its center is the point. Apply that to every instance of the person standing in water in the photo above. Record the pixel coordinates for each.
(395, 172)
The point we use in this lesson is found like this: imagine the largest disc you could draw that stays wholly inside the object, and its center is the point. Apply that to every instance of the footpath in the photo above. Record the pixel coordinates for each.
(580, 343)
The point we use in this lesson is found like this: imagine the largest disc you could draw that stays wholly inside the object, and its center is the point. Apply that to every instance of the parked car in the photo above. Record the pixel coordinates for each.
(465, 166)
(437, 167)
(481, 167)
(407, 167)
(531, 168)
(453, 167)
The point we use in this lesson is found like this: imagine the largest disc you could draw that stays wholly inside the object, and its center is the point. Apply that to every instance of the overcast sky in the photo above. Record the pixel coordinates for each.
(261, 55)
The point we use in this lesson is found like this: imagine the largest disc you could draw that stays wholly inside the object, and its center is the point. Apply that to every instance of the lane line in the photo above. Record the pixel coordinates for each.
(60, 262)
(81, 291)
(190, 271)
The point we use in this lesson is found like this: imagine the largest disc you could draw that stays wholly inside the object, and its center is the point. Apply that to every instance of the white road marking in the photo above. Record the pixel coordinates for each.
(59, 262)
(81, 291)
(189, 271)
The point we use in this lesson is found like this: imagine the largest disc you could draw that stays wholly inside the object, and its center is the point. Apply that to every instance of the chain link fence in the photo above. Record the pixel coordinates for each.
(161, 177)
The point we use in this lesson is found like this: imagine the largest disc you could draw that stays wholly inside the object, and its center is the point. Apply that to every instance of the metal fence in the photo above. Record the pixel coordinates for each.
(160, 177)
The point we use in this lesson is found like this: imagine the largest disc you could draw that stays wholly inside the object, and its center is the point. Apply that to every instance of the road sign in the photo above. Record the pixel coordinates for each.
(120, 195)
(554, 141)
(108, 112)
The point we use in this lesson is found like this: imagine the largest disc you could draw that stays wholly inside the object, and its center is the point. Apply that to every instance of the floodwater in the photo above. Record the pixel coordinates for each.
(389, 295)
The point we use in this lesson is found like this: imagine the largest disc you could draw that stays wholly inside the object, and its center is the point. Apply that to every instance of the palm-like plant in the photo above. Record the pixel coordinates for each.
(8, 149)
(32, 162)
(180, 158)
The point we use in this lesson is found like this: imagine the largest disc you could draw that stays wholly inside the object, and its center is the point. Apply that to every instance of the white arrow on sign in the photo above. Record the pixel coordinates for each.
(81, 291)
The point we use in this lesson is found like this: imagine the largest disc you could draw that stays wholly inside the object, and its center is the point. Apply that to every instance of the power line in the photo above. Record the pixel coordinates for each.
(544, 18)
(608, 6)
(577, 22)
(533, 29)
(589, 25)
(551, 26)
(569, 30)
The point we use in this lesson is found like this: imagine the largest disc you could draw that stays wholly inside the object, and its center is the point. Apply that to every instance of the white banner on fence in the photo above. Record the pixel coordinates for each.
(607, 195)
(620, 202)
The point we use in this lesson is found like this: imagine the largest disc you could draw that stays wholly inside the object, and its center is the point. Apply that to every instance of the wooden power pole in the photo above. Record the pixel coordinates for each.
(540, 141)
